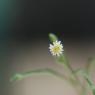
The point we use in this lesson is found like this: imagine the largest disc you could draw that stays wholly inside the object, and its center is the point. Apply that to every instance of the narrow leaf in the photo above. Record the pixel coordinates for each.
(21, 76)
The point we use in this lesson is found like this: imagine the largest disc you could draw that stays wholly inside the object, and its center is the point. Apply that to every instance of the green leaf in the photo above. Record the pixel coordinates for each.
(17, 76)
(53, 37)
(21, 76)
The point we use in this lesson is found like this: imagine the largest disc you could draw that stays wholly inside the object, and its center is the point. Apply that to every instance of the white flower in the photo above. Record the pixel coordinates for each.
(56, 48)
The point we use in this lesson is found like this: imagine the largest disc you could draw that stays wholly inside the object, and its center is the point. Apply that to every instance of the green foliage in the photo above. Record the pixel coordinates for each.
(21, 76)
(17, 77)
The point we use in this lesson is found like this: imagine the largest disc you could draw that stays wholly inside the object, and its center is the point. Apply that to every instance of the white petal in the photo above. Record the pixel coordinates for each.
(51, 46)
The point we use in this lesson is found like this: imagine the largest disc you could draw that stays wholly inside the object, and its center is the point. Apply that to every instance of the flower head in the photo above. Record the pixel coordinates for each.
(56, 48)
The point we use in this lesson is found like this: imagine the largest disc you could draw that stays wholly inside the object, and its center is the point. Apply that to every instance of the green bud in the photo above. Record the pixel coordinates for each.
(53, 37)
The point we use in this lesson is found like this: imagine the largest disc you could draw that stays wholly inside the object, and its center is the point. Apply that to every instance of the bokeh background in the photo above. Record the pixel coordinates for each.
(24, 29)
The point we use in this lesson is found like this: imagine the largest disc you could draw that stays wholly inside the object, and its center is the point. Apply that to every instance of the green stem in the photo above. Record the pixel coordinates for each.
(62, 59)
(21, 76)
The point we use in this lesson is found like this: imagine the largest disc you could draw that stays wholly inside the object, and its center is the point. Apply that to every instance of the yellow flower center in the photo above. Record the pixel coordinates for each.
(56, 49)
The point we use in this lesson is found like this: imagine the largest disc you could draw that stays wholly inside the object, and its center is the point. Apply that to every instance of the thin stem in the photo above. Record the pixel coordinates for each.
(62, 59)
(20, 76)
(47, 70)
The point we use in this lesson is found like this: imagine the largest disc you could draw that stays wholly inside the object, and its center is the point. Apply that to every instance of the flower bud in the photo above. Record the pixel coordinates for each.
(52, 37)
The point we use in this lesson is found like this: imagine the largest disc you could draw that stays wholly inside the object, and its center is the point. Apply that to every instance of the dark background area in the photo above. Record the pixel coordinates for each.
(35, 19)
(73, 19)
